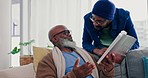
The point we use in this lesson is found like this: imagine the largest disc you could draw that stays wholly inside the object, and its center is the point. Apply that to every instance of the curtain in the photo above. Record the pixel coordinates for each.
(48, 13)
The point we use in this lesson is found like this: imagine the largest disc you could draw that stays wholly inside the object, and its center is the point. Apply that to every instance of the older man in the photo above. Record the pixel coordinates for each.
(68, 61)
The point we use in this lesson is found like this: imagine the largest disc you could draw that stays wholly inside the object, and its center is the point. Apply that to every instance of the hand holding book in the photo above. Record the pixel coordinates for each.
(120, 46)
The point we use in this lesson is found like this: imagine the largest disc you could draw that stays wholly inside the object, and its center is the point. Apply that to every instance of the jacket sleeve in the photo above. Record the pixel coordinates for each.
(129, 27)
(87, 39)
(46, 69)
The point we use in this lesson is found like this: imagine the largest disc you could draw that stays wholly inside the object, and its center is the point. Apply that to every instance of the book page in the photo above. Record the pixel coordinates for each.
(120, 45)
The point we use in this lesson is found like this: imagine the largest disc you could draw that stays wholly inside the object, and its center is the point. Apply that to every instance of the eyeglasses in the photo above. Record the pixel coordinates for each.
(99, 22)
(65, 32)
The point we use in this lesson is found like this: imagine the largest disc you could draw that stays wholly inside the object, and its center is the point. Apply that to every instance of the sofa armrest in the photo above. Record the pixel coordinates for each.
(134, 63)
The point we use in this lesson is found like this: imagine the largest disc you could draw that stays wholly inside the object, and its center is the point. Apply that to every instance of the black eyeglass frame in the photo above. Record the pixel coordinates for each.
(64, 32)
(99, 22)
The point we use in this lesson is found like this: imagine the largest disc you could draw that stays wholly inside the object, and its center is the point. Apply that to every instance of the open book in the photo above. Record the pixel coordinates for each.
(120, 45)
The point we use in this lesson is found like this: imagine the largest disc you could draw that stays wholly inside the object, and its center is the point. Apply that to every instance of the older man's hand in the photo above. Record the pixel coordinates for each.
(119, 58)
(84, 70)
(108, 62)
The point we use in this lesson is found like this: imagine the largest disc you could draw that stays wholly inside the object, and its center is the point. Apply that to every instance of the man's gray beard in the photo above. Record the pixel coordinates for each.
(68, 43)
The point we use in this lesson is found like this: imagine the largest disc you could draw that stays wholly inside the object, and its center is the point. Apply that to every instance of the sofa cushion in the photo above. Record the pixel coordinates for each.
(25, 71)
(38, 54)
(134, 63)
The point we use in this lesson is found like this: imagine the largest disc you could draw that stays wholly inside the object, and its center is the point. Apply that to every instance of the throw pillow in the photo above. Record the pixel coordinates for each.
(38, 54)
(145, 63)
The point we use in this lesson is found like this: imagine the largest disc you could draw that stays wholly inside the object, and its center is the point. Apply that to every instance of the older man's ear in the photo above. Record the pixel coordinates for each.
(54, 39)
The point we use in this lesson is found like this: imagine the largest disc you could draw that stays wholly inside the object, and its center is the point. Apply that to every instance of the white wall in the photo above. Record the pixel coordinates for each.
(139, 15)
(5, 26)
(137, 8)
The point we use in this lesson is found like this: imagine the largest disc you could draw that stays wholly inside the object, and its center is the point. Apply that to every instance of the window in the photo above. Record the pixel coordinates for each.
(15, 34)
(20, 27)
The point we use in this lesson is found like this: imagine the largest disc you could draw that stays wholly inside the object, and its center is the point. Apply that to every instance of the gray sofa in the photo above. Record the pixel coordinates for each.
(132, 66)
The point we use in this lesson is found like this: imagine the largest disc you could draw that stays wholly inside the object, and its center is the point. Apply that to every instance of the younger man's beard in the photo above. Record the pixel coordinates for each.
(68, 43)
(99, 27)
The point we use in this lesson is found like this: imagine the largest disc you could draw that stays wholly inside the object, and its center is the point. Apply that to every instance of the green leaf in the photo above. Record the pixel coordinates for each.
(49, 46)
(15, 50)
(26, 43)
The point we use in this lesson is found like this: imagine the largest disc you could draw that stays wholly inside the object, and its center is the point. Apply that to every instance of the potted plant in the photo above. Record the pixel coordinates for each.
(16, 50)
(24, 59)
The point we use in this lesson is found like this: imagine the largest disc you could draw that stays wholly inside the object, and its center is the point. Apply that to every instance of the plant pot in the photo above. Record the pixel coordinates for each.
(26, 59)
